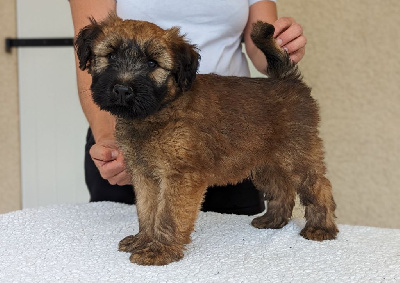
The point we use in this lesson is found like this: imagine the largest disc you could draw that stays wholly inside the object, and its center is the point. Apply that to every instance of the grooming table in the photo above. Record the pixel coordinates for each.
(78, 243)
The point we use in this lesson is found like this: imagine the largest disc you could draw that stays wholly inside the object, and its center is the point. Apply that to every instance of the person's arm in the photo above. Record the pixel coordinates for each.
(288, 34)
(99, 121)
(104, 152)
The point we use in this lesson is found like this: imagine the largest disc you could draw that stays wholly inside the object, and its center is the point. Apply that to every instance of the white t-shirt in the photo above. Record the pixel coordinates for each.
(215, 26)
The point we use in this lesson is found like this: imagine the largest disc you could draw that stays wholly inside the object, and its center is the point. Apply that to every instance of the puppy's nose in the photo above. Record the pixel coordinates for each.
(123, 91)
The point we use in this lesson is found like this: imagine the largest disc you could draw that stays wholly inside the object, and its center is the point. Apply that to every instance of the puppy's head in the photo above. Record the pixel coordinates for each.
(136, 66)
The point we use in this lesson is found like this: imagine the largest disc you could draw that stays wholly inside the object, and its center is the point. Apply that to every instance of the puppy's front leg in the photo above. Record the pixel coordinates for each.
(146, 191)
(179, 201)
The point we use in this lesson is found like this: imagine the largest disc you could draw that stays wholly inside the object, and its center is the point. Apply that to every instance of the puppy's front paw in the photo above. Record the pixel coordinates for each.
(156, 253)
(319, 234)
(133, 242)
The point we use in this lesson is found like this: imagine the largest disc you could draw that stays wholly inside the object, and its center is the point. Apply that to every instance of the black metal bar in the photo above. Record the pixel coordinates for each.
(37, 42)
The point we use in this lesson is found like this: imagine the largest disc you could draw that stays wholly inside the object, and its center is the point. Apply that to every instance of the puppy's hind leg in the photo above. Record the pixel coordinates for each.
(280, 194)
(316, 194)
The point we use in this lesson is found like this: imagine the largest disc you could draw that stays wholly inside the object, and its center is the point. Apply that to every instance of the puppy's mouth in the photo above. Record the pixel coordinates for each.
(129, 102)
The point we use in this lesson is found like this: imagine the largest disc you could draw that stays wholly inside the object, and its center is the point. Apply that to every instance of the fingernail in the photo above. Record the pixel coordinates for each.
(279, 41)
(114, 154)
(285, 49)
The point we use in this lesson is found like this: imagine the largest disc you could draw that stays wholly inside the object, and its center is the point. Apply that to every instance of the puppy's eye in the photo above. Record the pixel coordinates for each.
(152, 64)
(112, 56)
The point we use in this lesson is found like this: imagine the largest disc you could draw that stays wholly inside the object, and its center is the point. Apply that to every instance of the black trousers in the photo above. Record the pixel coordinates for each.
(242, 198)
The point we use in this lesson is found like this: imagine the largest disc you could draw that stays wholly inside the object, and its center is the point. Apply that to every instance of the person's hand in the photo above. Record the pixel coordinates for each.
(289, 35)
(110, 162)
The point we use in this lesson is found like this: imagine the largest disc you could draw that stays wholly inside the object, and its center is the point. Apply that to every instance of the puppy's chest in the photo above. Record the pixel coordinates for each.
(134, 136)
(139, 141)
(146, 144)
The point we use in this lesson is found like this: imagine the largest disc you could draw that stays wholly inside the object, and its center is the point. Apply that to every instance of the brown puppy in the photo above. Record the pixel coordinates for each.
(180, 135)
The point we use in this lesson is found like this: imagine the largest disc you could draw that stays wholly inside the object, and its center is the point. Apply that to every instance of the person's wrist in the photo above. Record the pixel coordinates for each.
(103, 127)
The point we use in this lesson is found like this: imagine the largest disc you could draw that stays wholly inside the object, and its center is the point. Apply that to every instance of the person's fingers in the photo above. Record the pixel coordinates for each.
(121, 179)
(297, 55)
(282, 24)
(295, 44)
(290, 34)
(110, 169)
(102, 153)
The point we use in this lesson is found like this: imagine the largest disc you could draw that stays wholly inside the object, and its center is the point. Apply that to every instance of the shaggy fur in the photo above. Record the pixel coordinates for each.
(181, 133)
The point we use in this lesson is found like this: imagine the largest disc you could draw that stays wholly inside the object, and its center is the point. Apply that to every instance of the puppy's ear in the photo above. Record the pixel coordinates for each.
(84, 44)
(186, 59)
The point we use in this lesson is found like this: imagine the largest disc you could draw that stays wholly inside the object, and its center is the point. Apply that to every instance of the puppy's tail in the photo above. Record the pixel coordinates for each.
(280, 66)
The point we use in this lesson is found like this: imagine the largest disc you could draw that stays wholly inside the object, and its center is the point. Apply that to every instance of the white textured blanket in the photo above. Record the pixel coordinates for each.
(78, 243)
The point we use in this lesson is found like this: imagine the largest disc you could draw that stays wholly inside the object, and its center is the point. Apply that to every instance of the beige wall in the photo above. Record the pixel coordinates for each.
(353, 65)
(10, 192)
